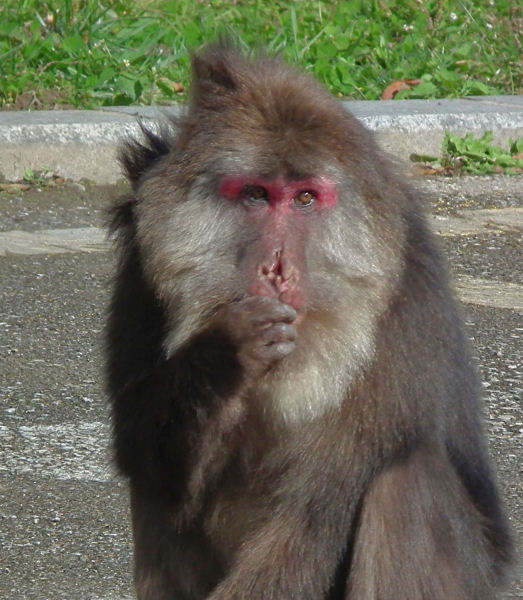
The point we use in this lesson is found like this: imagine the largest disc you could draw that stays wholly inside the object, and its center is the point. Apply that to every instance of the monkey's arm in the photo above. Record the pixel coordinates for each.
(157, 418)
(383, 534)
(420, 535)
(297, 551)
(171, 423)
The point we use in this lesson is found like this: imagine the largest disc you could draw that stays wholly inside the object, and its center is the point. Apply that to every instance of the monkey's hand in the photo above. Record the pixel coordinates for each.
(261, 330)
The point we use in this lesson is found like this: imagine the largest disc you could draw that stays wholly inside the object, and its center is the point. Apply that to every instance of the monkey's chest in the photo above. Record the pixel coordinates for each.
(231, 517)
(241, 501)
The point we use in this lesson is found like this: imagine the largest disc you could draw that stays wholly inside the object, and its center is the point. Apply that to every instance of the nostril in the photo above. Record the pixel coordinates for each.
(268, 271)
(273, 268)
(277, 267)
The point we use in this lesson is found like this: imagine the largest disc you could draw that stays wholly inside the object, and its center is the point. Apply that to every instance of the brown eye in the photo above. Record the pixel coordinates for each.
(257, 193)
(305, 198)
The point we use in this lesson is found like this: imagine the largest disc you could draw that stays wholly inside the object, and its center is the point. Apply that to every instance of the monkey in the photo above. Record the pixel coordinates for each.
(293, 397)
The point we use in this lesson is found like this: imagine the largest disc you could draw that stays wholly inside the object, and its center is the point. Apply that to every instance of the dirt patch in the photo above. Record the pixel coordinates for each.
(42, 100)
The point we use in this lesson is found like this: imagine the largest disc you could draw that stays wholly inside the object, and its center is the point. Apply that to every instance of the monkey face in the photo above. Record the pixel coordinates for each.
(268, 191)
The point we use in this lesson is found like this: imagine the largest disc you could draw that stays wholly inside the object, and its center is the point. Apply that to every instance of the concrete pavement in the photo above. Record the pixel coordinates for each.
(64, 519)
(83, 144)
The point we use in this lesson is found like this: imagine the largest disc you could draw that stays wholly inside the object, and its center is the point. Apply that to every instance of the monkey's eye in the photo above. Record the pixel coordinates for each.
(305, 198)
(255, 193)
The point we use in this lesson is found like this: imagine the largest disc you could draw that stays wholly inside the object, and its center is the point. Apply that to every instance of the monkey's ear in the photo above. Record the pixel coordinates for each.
(216, 73)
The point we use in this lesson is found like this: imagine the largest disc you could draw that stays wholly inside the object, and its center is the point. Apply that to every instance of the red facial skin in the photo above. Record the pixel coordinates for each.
(281, 193)
(275, 263)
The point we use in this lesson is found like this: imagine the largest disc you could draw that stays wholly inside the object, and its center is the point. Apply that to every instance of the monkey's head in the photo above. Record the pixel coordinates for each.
(267, 186)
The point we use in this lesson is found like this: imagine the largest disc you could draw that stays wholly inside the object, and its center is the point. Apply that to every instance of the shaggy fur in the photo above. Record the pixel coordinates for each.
(345, 458)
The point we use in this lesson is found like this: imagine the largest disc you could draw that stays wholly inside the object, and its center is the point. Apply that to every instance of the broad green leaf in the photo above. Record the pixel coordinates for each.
(73, 44)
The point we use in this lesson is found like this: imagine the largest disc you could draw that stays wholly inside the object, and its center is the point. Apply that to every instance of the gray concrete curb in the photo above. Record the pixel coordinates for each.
(83, 144)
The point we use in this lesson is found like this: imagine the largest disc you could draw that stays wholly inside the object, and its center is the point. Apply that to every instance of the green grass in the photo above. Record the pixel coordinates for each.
(88, 53)
(477, 156)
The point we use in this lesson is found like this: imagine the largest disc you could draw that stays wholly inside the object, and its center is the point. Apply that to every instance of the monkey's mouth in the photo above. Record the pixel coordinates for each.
(290, 297)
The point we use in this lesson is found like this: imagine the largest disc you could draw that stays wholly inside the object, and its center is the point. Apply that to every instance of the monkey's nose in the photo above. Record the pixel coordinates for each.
(272, 270)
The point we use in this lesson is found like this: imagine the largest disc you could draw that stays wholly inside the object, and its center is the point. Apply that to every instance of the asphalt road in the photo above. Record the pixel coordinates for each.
(64, 526)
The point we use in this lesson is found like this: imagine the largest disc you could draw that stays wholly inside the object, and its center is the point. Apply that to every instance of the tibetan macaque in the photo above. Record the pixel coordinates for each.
(293, 398)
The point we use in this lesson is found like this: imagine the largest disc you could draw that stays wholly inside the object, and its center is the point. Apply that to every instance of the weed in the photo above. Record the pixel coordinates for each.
(478, 156)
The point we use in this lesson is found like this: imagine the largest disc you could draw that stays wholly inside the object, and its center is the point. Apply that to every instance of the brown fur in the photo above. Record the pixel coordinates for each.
(337, 454)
